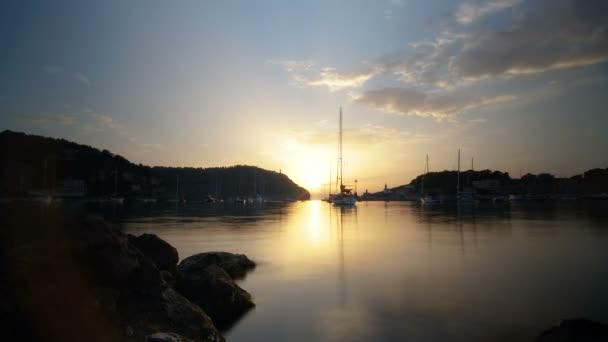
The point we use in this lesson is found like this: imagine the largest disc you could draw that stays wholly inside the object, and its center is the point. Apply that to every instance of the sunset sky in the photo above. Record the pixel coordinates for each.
(518, 85)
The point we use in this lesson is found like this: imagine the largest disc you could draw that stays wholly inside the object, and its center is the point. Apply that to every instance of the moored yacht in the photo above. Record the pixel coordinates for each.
(345, 196)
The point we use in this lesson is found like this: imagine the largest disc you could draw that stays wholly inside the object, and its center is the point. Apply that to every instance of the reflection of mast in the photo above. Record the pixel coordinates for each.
(460, 230)
(458, 177)
(341, 273)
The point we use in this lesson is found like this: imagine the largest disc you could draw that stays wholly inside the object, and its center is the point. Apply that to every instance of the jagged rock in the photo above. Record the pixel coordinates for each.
(166, 337)
(214, 291)
(161, 253)
(111, 261)
(576, 330)
(236, 265)
(188, 318)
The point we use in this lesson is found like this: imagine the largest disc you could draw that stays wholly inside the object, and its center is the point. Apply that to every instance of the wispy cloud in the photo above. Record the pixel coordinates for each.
(535, 37)
(471, 11)
(305, 73)
(334, 80)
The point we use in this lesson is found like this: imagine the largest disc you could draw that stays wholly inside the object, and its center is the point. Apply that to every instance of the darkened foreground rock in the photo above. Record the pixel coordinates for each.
(162, 254)
(205, 280)
(576, 330)
(236, 265)
(75, 278)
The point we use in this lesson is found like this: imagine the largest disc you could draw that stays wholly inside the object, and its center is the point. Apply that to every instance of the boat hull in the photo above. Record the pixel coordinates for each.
(344, 200)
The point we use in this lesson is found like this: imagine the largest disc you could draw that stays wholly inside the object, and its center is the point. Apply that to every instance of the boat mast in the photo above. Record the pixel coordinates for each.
(458, 176)
(426, 170)
(329, 184)
(177, 188)
(340, 147)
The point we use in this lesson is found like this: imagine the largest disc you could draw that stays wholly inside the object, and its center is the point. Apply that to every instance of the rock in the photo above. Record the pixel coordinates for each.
(168, 279)
(162, 254)
(166, 337)
(576, 330)
(236, 265)
(111, 261)
(188, 318)
(215, 292)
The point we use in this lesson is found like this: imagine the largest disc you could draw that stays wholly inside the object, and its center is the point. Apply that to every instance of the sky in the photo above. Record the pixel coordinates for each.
(520, 86)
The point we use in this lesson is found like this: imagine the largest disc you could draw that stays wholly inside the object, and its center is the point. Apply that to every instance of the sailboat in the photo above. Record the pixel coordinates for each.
(462, 196)
(427, 199)
(345, 196)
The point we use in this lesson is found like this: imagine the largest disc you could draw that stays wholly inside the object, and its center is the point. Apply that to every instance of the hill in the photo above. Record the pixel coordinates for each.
(30, 162)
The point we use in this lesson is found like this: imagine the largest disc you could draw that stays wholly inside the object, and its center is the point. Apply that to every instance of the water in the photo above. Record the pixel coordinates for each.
(399, 271)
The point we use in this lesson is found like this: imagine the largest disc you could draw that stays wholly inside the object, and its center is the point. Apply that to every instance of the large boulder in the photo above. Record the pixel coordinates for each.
(236, 265)
(214, 290)
(111, 261)
(161, 253)
(576, 330)
(188, 318)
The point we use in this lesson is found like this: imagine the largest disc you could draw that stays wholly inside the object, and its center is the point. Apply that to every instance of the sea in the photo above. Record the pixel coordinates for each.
(400, 271)
(396, 271)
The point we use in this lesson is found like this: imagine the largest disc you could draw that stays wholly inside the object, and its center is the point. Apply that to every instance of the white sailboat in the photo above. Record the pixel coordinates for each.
(345, 196)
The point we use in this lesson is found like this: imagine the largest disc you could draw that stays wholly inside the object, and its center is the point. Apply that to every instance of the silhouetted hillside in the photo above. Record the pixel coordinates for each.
(594, 181)
(30, 162)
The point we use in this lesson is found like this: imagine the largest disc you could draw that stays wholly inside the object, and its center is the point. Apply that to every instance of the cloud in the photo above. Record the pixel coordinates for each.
(539, 36)
(534, 37)
(550, 34)
(306, 74)
(335, 80)
(80, 77)
(470, 11)
(412, 102)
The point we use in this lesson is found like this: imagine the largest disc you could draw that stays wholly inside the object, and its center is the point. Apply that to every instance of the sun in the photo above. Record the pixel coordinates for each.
(313, 181)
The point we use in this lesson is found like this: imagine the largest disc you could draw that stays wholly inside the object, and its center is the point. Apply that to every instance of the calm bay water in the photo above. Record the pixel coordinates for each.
(399, 271)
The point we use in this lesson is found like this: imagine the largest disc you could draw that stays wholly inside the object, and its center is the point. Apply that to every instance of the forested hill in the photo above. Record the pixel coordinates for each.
(30, 162)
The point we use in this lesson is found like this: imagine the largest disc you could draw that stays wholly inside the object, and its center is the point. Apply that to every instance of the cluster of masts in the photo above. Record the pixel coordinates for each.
(461, 196)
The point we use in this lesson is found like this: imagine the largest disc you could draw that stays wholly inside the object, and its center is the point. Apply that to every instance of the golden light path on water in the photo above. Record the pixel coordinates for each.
(398, 271)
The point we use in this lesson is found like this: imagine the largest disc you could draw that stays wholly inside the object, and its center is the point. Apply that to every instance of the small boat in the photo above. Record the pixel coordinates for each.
(428, 198)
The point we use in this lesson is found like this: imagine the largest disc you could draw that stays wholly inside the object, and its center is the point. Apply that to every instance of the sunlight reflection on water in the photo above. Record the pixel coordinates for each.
(398, 271)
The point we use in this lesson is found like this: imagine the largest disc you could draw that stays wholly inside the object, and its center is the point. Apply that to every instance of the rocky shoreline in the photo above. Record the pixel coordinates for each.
(83, 279)
(78, 278)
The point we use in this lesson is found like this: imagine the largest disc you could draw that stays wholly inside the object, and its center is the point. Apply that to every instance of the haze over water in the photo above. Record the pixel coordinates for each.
(399, 271)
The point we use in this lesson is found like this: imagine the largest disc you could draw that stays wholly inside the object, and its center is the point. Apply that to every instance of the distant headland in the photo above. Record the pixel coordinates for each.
(497, 185)
(32, 165)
